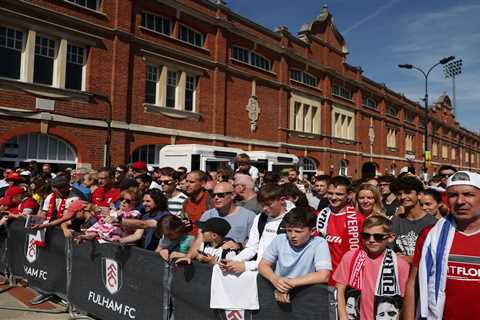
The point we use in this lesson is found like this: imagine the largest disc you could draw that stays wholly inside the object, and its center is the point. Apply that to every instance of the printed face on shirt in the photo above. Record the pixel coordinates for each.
(429, 205)
(464, 202)
(376, 247)
(298, 236)
(366, 201)
(337, 196)
(387, 311)
(407, 198)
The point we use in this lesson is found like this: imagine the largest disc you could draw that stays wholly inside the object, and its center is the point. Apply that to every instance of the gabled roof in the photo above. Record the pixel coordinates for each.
(320, 26)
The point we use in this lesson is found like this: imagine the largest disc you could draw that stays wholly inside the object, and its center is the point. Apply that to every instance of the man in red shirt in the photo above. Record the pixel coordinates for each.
(449, 264)
(339, 223)
(106, 194)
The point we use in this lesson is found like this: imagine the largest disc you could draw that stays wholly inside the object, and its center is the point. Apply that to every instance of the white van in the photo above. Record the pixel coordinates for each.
(197, 156)
(272, 161)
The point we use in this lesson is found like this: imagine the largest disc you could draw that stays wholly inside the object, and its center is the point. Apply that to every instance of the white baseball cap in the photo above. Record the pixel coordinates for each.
(464, 178)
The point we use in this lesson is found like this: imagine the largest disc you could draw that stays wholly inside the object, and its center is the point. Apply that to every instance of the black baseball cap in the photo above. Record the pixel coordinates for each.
(216, 225)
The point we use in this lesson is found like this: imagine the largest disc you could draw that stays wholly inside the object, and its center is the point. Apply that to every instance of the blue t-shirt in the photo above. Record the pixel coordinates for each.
(294, 262)
(240, 222)
(150, 240)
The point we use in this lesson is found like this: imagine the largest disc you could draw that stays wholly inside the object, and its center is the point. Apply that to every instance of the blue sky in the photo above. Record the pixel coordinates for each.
(381, 34)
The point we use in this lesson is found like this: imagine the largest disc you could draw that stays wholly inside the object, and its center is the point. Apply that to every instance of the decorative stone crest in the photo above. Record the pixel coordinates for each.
(253, 109)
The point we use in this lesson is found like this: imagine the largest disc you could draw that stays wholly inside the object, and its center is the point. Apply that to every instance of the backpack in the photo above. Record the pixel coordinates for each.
(262, 221)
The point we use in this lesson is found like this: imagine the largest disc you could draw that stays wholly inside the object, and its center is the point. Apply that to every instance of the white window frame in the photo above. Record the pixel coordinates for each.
(75, 2)
(302, 77)
(302, 115)
(22, 50)
(84, 65)
(343, 123)
(367, 100)
(392, 138)
(161, 87)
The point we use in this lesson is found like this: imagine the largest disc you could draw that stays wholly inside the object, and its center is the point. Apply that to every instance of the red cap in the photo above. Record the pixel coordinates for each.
(13, 176)
(139, 165)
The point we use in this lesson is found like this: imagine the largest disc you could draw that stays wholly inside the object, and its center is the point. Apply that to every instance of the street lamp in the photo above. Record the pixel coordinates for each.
(445, 60)
(451, 70)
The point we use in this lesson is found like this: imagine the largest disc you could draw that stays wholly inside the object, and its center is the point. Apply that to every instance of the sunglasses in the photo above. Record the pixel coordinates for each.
(128, 201)
(376, 236)
(221, 194)
(165, 182)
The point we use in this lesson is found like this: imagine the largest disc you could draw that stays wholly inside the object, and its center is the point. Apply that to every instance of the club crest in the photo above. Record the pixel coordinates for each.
(111, 275)
(31, 250)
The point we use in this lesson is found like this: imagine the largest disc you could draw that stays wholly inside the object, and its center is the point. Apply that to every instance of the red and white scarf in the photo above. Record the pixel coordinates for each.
(350, 235)
(387, 285)
(53, 211)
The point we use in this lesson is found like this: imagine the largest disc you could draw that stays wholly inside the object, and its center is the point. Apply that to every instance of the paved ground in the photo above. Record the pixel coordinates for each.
(19, 297)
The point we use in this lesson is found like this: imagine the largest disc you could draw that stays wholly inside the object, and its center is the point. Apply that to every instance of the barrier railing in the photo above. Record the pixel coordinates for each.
(111, 281)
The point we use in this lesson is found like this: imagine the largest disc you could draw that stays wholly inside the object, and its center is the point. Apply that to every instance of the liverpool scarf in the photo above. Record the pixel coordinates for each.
(387, 301)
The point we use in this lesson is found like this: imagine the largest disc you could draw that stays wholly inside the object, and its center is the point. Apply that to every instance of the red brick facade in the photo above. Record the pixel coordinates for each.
(120, 50)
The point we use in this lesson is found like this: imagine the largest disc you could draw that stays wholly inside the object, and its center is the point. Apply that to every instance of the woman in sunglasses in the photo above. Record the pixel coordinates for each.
(368, 200)
(113, 231)
(373, 271)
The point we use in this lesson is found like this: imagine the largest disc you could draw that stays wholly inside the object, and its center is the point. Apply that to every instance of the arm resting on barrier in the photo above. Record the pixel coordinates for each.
(320, 276)
(283, 285)
(192, 252)
(342, 311)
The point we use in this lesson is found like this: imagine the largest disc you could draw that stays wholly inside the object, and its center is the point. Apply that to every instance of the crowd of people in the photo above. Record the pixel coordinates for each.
(392, 246)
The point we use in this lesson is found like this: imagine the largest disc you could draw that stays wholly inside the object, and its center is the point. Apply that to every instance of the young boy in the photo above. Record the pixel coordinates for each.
(339, 223)
(214, 231)
(375, 271)
(299, 258)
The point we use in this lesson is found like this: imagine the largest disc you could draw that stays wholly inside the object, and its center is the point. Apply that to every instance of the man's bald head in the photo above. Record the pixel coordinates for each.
(244, 180)
(223, 187)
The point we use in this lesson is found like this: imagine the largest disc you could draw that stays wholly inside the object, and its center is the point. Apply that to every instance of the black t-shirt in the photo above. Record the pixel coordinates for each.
(407, 232)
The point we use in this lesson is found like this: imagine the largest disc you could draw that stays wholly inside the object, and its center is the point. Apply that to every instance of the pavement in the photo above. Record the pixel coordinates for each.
(18, 297)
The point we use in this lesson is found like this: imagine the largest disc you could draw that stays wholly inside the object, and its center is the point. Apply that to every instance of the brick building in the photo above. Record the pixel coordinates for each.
(195, 72)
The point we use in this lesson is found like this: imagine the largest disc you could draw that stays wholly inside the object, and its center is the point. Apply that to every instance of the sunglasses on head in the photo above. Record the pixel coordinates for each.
(376, 236)
(128, 201)
(221, 194)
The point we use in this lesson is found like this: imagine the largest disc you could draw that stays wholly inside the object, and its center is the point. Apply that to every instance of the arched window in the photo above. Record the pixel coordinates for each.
(39, 147)
(307, 166)
(343, 170)
(149, 153)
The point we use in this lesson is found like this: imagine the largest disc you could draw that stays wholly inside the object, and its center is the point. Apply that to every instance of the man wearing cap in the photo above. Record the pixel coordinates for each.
(448, 258)
(138, 168)
(13, 179)
(57, 202)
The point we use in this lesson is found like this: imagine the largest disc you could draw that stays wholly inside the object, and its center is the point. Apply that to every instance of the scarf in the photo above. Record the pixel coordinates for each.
(53, 213)
(387, 293)
(433, 267)
(351, 231)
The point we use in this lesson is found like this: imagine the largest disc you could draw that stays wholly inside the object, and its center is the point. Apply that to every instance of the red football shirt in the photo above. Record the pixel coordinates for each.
(104, 199)
(343, 234)
(463, 278)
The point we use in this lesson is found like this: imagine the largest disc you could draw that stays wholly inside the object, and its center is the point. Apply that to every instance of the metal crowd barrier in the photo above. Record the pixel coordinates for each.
(111, 281)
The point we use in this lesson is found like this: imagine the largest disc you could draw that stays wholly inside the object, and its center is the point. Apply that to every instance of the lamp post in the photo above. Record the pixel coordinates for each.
(426, 154)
